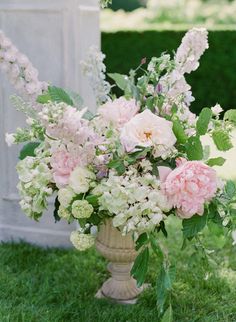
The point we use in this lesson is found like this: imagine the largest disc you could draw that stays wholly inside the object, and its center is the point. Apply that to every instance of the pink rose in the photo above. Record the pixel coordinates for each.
(62, 164)
(189, 186)
(119, 111)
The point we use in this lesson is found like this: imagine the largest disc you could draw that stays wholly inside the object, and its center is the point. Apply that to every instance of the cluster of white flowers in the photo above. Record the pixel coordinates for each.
(34, 186)
(94, 69)
(135, 199)
(22, 74)
(82, 241)
(80, 181)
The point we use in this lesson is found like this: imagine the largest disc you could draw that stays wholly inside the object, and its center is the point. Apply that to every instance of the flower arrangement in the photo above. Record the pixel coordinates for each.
(139, 161)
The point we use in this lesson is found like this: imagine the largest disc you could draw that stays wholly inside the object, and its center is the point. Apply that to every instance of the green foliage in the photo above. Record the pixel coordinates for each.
(179, 132)
(230, 189)
(129, 5)
(192, 226)
(56, 208)
(215, 71)
(194, 148)
(55, 94)
(164, 285)
(222, 140)
(120, 80)
(168, 316)
(140, 267)
(216, 161)
(204, 120)
(118, 165)
(28, 150)
(231, 116)
(52, 285)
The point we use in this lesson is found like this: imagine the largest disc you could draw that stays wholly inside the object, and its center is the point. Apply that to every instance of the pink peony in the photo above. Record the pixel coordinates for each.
(119, 111)
(62, 164)
(189, 186)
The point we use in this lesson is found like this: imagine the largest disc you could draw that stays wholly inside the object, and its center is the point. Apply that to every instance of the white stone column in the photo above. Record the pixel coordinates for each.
(55, 35)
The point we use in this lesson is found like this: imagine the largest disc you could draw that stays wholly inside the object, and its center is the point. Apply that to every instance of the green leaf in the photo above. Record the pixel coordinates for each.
(118, 165)
(93, 200)
(194, 148)
(56, 208)
(230, 115)
(58, 95)
(28, 150)
(192, 226)
(155, 246)
(76, 98)
(230, 189)
(122, 81)
(179, 132)
(43, 99)
(204, 120)
(216, 162)
(168, 316)
(164, 285)
(222, 140)
(140, 267)
(142, 240)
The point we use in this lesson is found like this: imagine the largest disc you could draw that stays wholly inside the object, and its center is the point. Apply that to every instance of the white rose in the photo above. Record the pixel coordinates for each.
(148, 130)
(80, 180)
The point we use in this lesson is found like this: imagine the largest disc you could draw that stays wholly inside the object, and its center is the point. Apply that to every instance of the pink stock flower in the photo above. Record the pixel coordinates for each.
(119, 111)
(189, 186)
(62, 165)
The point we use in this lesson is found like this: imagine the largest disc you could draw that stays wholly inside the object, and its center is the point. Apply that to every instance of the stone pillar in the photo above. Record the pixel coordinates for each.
(55, 35)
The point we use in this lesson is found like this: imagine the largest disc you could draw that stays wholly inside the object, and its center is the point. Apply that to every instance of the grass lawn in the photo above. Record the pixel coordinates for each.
(59, 285)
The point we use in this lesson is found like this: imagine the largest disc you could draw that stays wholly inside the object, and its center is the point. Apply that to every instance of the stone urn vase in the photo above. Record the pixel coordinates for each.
(120, 252)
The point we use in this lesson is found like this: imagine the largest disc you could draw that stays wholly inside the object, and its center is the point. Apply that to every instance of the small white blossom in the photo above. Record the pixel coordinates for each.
(10, 139)
(217, 109)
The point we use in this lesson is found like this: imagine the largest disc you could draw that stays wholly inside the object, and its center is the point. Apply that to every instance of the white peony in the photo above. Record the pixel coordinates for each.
(148, 130)
(80, 180)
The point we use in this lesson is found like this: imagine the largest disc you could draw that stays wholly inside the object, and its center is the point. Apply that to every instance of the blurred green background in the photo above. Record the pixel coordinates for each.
(145, 32)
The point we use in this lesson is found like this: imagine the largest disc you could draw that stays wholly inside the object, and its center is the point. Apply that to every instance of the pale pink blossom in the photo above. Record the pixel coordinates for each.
(119, 111)
(193, 45)
(22, 75)
(189, 186)
(62, 163)
(148, 130)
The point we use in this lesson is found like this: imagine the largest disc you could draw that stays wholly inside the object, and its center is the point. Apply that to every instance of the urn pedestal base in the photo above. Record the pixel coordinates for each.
(120, 252)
